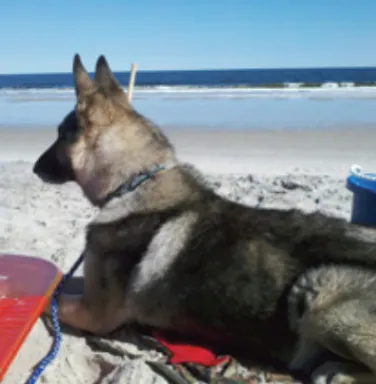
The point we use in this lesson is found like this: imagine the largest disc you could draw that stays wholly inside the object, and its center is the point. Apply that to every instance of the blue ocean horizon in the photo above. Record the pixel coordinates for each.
(207, 78)
(211, 99)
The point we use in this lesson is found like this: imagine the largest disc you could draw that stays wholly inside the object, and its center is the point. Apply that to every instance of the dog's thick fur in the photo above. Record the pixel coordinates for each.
(175, 255)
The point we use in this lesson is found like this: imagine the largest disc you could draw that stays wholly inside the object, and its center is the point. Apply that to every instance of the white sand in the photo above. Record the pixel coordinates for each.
(278, 169)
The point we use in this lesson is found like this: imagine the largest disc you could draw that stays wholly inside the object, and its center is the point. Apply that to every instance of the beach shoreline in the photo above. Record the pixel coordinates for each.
(234, 151)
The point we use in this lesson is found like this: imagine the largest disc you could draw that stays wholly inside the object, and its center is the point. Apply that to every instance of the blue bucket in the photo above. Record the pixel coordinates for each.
(363, 187)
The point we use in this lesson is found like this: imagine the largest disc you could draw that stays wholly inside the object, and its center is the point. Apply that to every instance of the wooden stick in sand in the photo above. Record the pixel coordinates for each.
(132, 78)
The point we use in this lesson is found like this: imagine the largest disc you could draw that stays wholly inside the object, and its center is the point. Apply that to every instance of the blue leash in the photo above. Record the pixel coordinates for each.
(38, 370)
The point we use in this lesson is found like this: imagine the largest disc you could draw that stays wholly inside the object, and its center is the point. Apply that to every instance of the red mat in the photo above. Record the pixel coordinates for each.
(26, 283)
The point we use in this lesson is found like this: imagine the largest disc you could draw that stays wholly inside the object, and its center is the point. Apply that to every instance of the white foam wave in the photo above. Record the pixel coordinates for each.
(288, 91)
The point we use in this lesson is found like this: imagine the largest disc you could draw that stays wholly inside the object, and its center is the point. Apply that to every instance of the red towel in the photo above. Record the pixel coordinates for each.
(188, 353)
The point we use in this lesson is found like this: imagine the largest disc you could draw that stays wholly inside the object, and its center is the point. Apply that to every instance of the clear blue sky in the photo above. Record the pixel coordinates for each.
(43, 35)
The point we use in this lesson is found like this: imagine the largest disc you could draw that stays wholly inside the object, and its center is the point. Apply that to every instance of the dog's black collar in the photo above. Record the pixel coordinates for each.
(132, 183)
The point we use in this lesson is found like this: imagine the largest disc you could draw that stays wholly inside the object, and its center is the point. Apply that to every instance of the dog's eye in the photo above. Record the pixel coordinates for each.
(64, 135)
(60, 132)
(67, 135)
(67, 129)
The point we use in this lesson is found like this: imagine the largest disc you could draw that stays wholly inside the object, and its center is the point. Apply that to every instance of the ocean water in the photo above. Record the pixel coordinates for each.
(251, 99)
(208, 78)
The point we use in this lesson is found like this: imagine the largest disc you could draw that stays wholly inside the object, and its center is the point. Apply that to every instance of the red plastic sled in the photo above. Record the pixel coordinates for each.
(26, 283)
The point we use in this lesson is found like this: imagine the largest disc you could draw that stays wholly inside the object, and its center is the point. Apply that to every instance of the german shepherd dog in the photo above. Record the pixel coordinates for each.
(166, 251)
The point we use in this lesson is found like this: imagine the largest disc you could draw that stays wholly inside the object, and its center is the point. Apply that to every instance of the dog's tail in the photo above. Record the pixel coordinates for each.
(335, 241)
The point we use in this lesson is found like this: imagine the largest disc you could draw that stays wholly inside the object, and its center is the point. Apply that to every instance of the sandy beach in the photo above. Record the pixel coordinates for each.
(305, 169)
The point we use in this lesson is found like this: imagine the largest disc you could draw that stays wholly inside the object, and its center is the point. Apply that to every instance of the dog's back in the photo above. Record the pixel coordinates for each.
(213, 267)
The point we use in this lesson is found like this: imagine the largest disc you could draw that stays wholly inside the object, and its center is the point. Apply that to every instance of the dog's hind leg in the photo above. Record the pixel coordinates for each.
(339, 316)
(336, 372)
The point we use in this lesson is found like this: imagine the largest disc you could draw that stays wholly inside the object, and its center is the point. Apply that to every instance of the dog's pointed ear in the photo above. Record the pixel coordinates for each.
(82, 81)
(104, 76)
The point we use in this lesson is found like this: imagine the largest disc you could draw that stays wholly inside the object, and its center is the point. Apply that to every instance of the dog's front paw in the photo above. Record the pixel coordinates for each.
(341, 373)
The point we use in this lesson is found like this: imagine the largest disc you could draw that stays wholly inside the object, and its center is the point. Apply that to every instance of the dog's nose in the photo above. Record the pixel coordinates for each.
(42, 165)
(40, 171)
(36, 168)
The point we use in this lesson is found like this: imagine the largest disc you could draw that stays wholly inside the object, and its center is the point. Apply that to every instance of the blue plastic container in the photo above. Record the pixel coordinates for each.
(364, 199)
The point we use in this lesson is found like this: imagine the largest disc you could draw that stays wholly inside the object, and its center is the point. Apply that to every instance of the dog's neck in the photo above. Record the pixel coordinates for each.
(133, 182)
